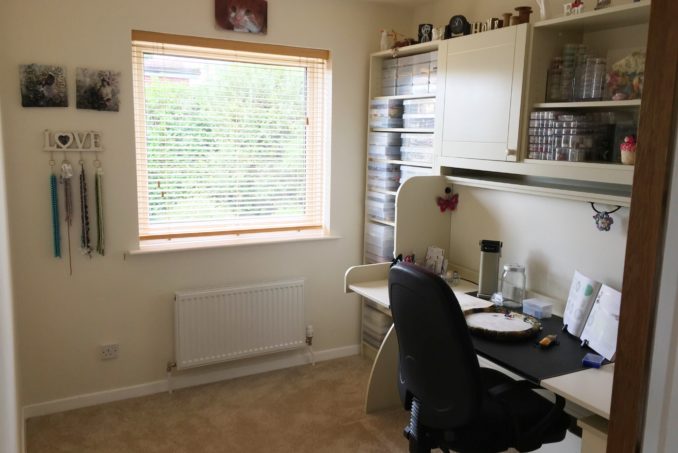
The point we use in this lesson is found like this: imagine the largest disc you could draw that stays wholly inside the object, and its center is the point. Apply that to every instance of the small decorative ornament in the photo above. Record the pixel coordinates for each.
(575, 7)
(449, 201)
(628, 150)
(425, 33)
(603, 219)
(603, 4)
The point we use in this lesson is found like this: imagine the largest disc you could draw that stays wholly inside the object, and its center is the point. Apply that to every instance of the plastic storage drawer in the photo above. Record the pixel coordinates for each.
(385, 138)
(414, 154)
(385, 122)
(407, 172)
(418, 121)
(419, 106)
(413, 139)
(380, 211)
(384, 152)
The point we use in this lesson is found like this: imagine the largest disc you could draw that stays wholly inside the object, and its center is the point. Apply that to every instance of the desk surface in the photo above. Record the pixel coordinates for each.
(531, 362)
(590, 388)
(558, 369)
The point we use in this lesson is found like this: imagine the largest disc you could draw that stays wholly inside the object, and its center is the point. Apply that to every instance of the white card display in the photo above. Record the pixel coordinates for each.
(579, 302)
(600, 331)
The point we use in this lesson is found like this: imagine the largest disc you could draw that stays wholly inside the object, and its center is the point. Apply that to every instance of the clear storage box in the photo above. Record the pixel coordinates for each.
(538, 308)
(406, 172)
(418, 121)
(380, 211)
(384, 122)
(385, 138)
(417, 154)
(387, 108)
(384, 152)
(415, 139)
(419, 106)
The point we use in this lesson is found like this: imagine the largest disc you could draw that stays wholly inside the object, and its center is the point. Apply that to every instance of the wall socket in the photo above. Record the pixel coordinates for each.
(109, 351)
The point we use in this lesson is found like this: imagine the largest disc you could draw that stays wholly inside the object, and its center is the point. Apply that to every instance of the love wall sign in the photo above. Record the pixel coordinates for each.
(72, 141)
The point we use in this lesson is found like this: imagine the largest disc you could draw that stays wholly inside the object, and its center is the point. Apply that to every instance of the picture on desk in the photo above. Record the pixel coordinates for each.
(592, 314)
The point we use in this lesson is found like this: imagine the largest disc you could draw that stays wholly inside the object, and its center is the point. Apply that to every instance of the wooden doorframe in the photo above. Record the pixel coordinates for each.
(646, 232)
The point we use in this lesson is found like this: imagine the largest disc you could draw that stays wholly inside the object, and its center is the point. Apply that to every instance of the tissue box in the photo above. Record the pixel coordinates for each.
(537, 308)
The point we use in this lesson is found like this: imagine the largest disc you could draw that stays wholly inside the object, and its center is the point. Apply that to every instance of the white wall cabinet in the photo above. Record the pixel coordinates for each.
(481, 94)
(492, 81)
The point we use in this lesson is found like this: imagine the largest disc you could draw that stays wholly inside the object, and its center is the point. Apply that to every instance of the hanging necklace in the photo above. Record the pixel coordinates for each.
(99, 194)
(54, 193)
(66, 176)
(85, 244)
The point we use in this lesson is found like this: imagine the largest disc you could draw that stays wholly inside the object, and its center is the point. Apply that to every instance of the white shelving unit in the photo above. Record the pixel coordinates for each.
(611, 32)
(374, 321)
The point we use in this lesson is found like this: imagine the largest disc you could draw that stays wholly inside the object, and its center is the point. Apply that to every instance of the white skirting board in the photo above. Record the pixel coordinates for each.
(179, 380)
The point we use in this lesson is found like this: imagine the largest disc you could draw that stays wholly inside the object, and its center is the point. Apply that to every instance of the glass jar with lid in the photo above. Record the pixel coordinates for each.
(513, 286)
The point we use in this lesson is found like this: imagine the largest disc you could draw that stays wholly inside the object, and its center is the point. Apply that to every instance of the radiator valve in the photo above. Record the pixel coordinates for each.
(309, 335)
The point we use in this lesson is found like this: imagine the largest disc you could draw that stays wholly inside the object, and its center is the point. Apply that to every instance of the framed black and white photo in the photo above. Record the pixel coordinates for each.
(43, 86)
(97, 89)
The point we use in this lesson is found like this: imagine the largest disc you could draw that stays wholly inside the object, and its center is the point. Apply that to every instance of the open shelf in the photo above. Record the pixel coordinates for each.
(602, 19)
(607, 173)
(632, 103)
(408, 50)
(610, 194)
(405, 97)
(383, 222)
(401, 129)
(402, 162)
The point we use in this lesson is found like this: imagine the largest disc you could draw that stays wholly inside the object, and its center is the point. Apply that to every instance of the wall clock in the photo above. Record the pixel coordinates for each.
(459, 26)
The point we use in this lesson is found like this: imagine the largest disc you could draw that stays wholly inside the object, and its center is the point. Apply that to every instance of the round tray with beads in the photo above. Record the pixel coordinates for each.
(500, 324)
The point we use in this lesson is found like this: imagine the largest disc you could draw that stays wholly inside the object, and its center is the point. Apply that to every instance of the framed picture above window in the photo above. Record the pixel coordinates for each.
(230, 136)
(249, 16)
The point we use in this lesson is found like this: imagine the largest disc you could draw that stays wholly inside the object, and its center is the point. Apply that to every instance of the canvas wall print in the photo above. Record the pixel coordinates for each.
(249, 16)
(97, 90)
(43, 86)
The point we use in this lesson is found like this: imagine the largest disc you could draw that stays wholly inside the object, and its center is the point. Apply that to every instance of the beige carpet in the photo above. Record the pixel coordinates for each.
(302, 409)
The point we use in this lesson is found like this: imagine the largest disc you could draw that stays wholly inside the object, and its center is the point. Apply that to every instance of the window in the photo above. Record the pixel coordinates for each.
(229, 136)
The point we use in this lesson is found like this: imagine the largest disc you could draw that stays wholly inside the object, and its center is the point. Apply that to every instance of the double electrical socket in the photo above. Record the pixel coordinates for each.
(109, 351)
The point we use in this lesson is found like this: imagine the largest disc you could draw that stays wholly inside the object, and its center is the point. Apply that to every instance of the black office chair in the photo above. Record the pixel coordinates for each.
(453, 402)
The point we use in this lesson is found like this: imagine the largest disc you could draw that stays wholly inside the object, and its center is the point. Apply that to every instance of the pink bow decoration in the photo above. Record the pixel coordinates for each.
(448, 202)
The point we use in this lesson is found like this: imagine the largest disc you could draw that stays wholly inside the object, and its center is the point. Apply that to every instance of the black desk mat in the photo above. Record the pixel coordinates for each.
(532, 362)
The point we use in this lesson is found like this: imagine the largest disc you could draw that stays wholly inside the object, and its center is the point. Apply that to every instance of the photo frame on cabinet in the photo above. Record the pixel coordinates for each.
(248, 16)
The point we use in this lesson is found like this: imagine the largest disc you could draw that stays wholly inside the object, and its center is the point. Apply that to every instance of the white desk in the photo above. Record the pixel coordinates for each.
(590, 388)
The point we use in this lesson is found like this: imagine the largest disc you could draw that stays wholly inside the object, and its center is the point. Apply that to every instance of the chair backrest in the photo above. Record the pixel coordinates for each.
(438, 364)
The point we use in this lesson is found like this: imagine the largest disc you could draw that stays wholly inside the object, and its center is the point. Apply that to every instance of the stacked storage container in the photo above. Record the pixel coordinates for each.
(384, 145)
(378, 243)
(417, 148)
(375, 326)
(415, 74)
(386, 113)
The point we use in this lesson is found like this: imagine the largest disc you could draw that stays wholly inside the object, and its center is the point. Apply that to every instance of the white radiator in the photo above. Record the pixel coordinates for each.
(218, 325)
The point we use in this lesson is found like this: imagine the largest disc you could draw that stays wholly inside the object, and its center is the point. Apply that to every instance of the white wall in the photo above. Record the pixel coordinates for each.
(61, 319)
(551, 237)
(9, 414)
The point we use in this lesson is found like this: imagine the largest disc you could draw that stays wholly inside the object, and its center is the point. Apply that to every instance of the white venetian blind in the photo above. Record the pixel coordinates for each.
(229, 136)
